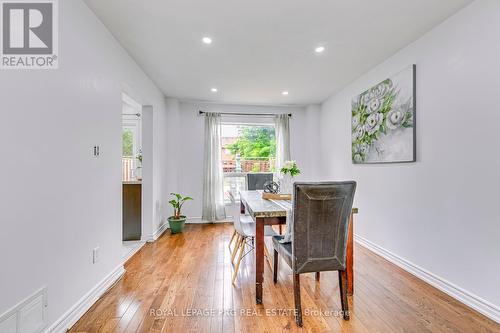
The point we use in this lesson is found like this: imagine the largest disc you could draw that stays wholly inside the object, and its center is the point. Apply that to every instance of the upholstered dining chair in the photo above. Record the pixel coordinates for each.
(256, 181)
(319, 237)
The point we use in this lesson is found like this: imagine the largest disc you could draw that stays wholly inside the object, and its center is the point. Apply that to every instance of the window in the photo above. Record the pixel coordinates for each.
(130, 152)
(131, 141)
(246, 148)
(128, 142)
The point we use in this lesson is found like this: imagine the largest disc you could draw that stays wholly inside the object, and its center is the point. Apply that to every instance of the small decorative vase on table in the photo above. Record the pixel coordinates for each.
(288, 171)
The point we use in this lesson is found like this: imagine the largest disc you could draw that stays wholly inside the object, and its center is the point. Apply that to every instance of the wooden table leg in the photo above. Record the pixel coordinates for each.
(259, 258)
(350, 256)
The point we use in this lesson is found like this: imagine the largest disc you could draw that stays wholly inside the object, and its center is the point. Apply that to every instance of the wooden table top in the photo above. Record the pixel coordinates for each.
(258, 207)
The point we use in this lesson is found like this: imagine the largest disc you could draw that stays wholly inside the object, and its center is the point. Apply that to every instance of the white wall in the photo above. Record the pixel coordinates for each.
(440, 213)
(303, 143)
(57, 202)
(148, 172)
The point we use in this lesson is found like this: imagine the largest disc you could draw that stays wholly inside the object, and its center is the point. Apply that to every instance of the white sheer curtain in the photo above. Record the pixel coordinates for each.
(282, 125)
(213, 180)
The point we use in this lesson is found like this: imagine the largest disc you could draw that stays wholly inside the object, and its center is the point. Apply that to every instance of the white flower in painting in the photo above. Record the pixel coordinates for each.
(365, 99)
(364, 149)
(373, 122)
(361, 148)
(374, 105)
(381, 89)
(358, 133)
(395, 118)
(357, 158)
(355, 121)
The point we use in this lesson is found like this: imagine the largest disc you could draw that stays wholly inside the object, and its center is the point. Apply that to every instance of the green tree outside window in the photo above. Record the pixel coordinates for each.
(255, 142)
(127, 143)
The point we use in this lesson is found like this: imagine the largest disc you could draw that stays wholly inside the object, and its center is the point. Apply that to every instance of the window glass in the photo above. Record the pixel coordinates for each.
(246, 148)
(128, 143)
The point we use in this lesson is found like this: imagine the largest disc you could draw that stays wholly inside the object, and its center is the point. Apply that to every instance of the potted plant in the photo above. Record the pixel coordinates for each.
(177, 220)
(289, 170)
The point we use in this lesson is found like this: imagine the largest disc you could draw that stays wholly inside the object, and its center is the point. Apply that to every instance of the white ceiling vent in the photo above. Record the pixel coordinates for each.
(29, 316)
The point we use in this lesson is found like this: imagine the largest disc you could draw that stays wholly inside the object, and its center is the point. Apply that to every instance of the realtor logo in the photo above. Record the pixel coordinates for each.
(29, 37)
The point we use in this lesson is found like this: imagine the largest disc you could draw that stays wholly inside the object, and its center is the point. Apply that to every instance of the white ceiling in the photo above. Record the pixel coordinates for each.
(262, 47)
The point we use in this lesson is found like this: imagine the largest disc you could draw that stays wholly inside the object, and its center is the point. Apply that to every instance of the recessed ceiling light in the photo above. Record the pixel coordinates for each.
(284, 93)
(319, 49)
(207, 40)
(214, 90)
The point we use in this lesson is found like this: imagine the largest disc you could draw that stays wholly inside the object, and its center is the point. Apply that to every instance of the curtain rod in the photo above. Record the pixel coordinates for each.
(247, 114)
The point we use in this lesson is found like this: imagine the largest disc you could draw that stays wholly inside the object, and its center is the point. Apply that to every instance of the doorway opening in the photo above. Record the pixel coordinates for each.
(131, 176)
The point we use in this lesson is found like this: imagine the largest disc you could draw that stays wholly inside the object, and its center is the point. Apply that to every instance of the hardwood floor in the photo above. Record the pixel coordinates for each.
(192, 272)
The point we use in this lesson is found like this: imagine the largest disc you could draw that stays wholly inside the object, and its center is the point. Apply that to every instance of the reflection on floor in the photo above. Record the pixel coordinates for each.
(130, 248)
(182, 283)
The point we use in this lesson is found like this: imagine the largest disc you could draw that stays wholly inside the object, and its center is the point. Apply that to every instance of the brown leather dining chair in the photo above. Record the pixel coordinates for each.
(319, 239)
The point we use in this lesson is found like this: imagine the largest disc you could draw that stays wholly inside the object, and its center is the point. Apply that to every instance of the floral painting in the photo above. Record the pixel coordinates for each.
(383, 121)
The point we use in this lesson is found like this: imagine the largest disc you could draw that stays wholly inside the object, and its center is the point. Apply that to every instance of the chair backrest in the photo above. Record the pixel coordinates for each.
(235, 212)
(320, 225)
(256, 181)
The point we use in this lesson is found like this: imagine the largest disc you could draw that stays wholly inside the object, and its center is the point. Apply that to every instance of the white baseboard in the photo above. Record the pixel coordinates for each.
(155, 235)
(192, 220)
(199, 220)
(78, 310)
(137, 248)
(475, 302)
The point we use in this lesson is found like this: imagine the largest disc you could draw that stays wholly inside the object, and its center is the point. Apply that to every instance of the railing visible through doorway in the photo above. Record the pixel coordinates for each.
(127, 169)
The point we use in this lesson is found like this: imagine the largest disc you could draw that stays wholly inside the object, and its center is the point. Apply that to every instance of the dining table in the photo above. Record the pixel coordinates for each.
(271, 212)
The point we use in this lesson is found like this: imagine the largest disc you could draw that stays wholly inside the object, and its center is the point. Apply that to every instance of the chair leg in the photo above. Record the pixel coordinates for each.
(242, 250)
(236, 246)
(268, 256)
(317, 276)
(232, 238)
(343, 293)
(275, 270)
(296, 294)
(231, 250)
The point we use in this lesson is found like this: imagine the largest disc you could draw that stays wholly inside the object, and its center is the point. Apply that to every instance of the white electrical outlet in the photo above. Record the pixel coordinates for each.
(95, 255)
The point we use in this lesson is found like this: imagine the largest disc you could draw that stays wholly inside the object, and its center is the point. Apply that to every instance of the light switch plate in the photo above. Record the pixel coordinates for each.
(96, 151)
